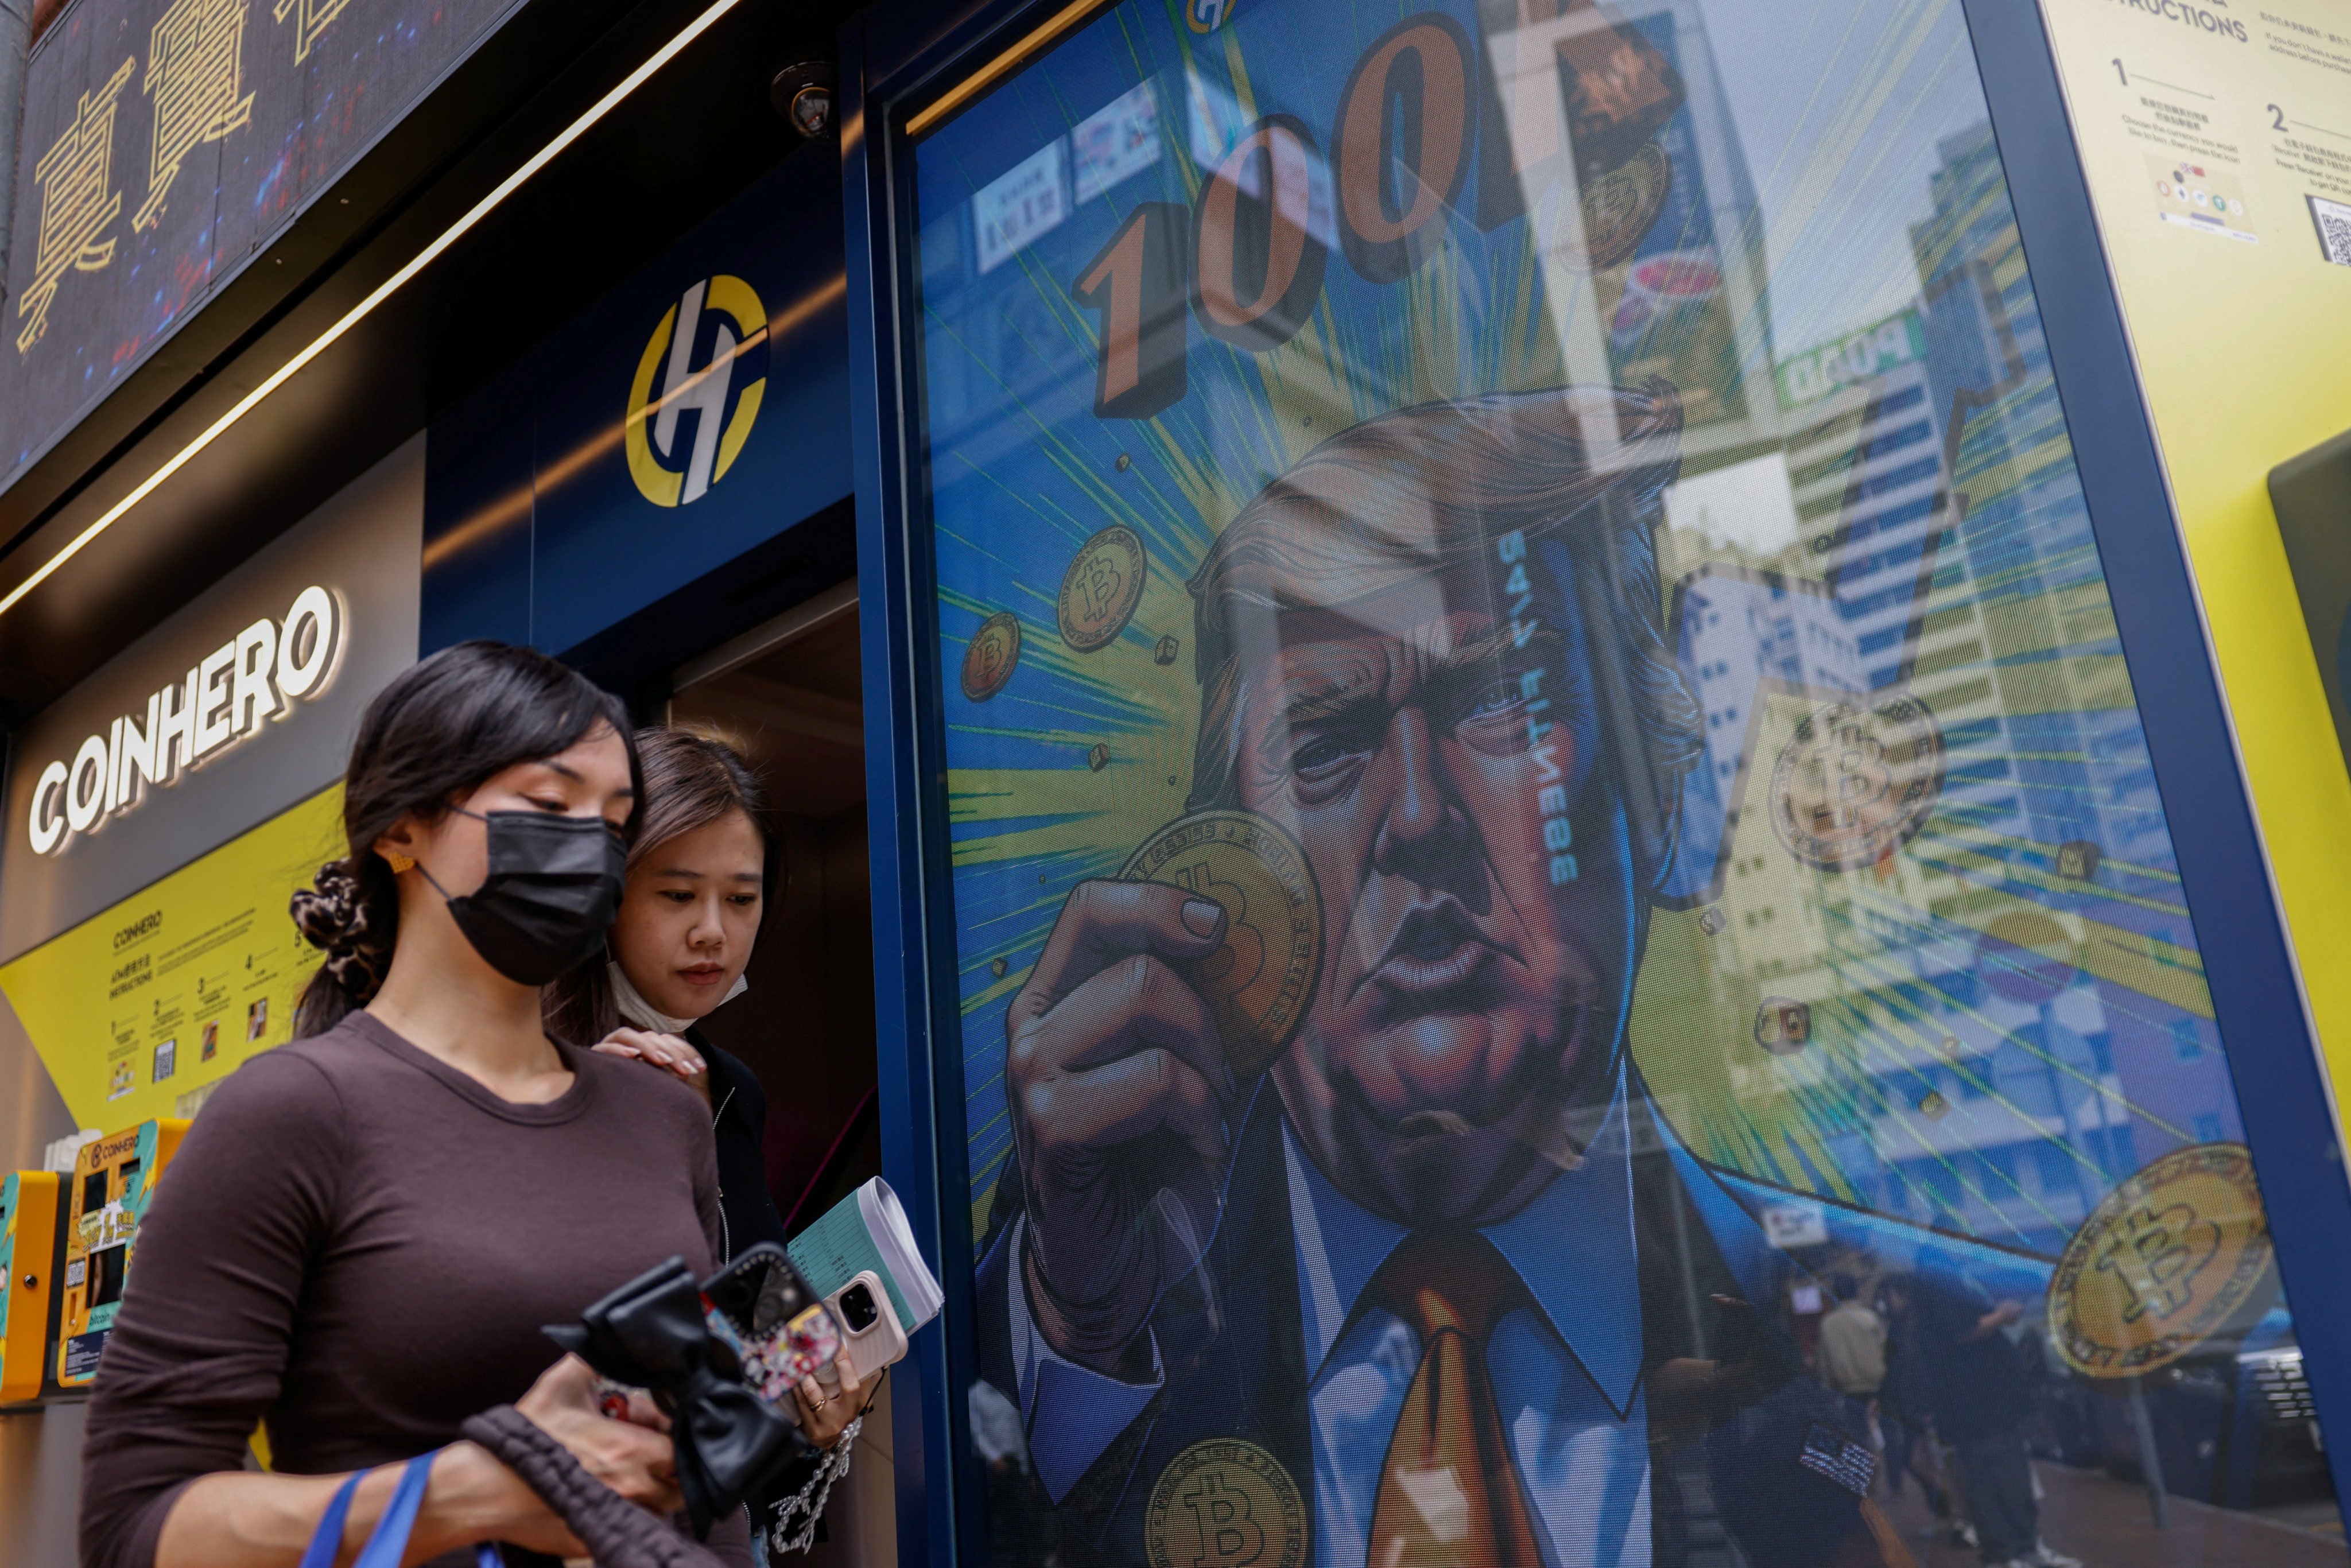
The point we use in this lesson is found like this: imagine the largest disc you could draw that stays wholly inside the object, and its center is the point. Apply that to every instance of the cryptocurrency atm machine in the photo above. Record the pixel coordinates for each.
(114, 1180)
(31, 1253)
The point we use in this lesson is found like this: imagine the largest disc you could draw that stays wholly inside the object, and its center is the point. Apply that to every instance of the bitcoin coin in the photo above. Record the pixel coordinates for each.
(1102, 588)
(1225, 1504)
(993, 653)
(1620, 206)
(1257, 984)
(1784, 1027)
(2078, 858)
(1853, 785)
(2163, 1262)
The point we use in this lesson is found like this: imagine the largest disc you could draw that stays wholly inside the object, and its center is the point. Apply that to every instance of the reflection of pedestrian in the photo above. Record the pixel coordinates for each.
(1905, 1398)
(1982, 1401)
(1853, 1353)
(1016, 1533)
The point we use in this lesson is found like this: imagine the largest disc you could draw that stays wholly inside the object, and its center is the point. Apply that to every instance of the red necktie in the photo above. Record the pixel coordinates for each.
(1450, 1495)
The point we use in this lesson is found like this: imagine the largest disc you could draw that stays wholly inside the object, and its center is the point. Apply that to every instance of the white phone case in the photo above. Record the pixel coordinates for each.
(881, 1345)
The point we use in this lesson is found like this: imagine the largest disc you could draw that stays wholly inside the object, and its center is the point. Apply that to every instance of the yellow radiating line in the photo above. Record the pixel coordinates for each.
(382, 291)
(995, 70)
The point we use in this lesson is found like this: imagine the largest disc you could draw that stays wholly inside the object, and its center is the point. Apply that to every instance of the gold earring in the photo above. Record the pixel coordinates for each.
(399, 863)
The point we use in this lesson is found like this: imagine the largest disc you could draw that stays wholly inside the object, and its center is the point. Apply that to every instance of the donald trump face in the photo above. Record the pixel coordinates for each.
(1431, 653)
(1412, 667)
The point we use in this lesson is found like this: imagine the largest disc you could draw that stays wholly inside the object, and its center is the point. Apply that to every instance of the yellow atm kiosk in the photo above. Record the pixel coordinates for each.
(29, 1260)
(114, 1180)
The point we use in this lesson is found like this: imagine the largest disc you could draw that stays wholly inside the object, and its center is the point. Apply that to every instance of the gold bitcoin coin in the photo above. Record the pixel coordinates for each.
(1853, 785)
(1225, 1504)
(1102, 588)
(1258, 985)
(2170, 1257)
(1620, 206)
(993, 653)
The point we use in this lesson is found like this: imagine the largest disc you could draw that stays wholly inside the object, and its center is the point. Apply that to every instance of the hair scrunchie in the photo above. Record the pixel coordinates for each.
(333, 915)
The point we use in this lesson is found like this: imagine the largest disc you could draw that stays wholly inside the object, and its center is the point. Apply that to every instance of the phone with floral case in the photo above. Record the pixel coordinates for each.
(760, 1307)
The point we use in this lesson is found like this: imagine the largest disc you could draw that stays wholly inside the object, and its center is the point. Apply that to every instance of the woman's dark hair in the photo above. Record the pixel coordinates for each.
(440, 730)
(691, 781)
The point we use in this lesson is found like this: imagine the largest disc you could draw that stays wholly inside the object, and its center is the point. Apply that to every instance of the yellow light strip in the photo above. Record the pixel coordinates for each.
(383, 291)
(988, 76)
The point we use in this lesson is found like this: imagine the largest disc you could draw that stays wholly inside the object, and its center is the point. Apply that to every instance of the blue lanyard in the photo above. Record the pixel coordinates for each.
(386, 1547)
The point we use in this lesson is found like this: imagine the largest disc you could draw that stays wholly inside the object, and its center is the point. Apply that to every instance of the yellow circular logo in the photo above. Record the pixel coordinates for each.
(1225, 1504)
(2163, 1262)
(1207, 15)
(697, 391)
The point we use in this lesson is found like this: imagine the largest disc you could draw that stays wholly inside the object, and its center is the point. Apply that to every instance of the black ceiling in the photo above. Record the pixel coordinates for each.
(696, 133)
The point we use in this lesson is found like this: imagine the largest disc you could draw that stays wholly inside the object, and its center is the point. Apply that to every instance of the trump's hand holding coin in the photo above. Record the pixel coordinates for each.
(1119, 1088)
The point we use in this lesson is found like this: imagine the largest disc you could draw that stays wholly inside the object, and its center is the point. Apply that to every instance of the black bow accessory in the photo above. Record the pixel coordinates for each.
(650, 1335)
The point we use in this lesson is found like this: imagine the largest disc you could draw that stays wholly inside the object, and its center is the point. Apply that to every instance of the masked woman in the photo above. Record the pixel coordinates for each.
(360, 1238)
(697, 879)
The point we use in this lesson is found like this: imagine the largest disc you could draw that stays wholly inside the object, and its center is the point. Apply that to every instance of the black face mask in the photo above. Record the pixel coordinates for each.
(553, 888)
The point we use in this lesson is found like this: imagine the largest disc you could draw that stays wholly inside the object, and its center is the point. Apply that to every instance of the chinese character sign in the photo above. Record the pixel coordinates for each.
(194, 70)
(1568, 950)
(165, 143)
(78, 204)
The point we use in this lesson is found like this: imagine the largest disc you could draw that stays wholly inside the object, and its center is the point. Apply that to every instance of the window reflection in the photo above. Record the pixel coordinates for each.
(1680, 363)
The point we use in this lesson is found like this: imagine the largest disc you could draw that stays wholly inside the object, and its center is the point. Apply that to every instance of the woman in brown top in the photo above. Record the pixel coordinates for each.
(363, 1232)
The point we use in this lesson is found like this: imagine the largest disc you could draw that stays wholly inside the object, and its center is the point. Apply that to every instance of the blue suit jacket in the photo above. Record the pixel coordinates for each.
(1728, 1422)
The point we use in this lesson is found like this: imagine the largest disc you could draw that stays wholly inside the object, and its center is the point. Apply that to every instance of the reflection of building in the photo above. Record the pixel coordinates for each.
(1823, 595)
(1870, 490)
(2004, 1038)
(2060, 1067)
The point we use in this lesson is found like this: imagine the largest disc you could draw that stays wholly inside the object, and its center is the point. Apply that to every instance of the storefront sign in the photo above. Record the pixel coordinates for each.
(239, 706)
(230, 696)
(165, 144)
(722, 394)
(696, 411)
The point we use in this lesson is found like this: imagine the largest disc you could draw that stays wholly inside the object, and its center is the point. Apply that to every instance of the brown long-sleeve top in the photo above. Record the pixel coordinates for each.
(358, 1244)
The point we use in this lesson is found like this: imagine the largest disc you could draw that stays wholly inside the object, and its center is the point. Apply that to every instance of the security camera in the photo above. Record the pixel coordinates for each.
(802, 93)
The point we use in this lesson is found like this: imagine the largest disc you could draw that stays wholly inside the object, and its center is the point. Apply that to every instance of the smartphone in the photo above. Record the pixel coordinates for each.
(760, 1307)
(870, 1337)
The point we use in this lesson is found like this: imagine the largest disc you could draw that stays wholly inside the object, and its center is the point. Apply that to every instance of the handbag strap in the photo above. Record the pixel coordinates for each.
(327, 1538)
(389, 1542)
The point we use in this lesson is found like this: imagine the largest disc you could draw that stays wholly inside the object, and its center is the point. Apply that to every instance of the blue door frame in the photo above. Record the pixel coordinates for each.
(902, 54)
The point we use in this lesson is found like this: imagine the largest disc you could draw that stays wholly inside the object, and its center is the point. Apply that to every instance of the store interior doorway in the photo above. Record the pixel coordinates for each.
(788, 696)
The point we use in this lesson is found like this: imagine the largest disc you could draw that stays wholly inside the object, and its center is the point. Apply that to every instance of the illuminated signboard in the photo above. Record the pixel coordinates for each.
(165, 144)
(230, 695)
(236, 707)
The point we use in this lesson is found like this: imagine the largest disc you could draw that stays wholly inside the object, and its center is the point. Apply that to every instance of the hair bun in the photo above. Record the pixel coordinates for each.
(333, 915)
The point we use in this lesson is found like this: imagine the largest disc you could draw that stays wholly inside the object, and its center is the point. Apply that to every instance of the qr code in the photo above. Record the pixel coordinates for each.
(2334, 222)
